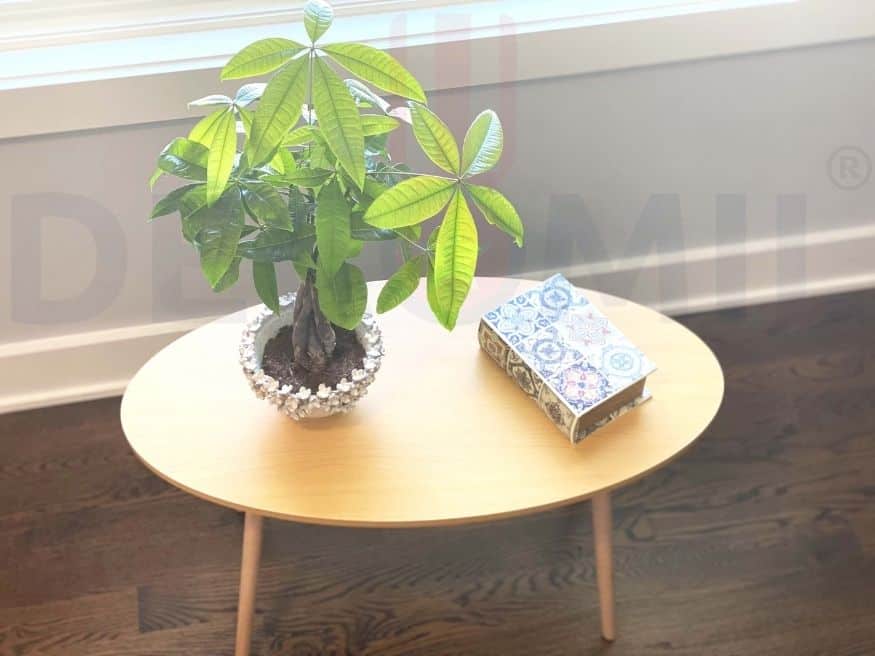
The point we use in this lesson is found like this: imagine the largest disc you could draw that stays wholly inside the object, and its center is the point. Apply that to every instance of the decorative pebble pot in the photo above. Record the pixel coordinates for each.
(304, 403)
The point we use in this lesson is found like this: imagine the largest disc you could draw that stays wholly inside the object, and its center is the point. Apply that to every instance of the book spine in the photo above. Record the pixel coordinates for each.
(493, 345)
(526, 379)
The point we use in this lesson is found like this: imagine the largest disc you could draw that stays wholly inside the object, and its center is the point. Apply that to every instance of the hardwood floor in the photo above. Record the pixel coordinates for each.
(759, 541)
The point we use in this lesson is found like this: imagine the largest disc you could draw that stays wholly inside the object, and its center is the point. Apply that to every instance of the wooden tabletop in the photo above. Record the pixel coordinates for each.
(443, 436)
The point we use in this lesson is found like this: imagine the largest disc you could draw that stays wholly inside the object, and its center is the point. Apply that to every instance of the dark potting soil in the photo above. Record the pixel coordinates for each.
(277, 361)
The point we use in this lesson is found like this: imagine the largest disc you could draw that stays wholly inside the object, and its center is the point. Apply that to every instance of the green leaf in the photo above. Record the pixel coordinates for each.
(299, 208)
(261, 57)
(185, 159)
(300, 136)
(246, 118)
(339, 121)
(230, 278)
(318, 16)
(223, 149)
(343, 296)
(498, 211)
(364, 232)
(208, 101)
(308, 178)
(282, 161)
(170, 203)
(431, 244)
(376, 150)
(377, 67)
(364, 95)
(204, 129)
(435, 138)
(355, 248)
(267, 206)
(483, 144)
(288, 160)
(321, 157)
(249, 93)
(431, 294)
(401, 285)
(333, 238)
(277, 165)
(279, 245)
(156, 174)
(189, 205)
(410, 202)
(346, 182)
(373, 124)
(217, 240)
(372, 190)
(455, 259)
(278, 110)
(264, 277)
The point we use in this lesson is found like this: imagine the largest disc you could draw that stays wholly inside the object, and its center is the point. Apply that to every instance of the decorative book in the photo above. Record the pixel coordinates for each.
(567, 356)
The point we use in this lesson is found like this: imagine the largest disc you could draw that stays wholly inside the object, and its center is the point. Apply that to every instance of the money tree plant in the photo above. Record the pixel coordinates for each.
(297, 170)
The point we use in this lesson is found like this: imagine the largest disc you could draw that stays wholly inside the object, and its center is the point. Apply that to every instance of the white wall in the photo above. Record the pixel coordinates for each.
(686, 186)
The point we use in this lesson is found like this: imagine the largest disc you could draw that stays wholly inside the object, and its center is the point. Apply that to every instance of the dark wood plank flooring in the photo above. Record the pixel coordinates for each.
(759, 541)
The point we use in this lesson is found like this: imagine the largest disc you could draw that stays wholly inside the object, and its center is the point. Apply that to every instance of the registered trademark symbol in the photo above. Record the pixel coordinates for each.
(849, 167)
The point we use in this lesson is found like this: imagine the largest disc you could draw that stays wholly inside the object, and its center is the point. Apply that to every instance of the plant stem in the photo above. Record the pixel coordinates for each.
(442, 177)
(310, 86)
(313, 337)
(411, 242)
(310, 92)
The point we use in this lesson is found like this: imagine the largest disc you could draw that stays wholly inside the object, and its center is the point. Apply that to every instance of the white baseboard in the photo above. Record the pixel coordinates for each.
(98, 364)
(80, 366)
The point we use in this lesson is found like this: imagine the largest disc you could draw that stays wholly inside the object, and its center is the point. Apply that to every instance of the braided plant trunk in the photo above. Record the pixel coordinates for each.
(313, 338)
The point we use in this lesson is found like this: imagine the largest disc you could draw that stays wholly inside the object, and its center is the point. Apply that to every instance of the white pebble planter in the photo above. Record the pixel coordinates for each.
(304, 403)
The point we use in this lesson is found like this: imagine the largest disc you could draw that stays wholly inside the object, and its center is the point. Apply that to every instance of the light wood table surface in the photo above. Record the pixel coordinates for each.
(443, 437)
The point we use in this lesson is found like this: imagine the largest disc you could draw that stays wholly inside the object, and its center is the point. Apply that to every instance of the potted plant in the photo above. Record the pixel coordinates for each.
(311, 182)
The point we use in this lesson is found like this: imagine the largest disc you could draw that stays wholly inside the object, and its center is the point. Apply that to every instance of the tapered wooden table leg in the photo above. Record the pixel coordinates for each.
(248, 580)
(603, 527)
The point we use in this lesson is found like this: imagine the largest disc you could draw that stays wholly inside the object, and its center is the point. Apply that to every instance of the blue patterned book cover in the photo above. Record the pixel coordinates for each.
(567, 356)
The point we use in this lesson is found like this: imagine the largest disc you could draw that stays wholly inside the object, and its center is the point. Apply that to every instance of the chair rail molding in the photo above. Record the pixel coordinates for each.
(99, 364)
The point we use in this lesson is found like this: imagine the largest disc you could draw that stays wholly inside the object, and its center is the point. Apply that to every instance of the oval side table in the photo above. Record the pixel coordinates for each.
(444, 436)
